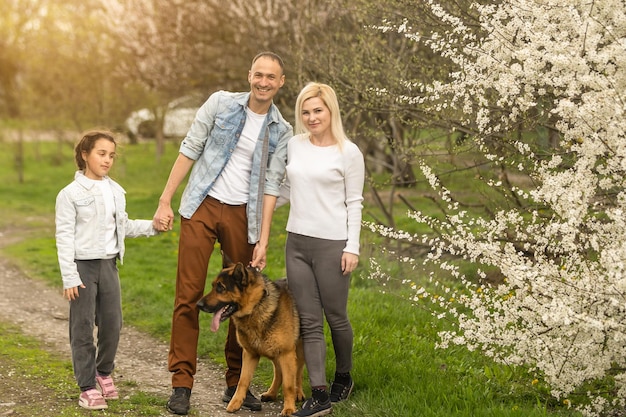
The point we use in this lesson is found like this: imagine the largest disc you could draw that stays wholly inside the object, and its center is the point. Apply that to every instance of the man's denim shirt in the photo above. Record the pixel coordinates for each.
(210, 142)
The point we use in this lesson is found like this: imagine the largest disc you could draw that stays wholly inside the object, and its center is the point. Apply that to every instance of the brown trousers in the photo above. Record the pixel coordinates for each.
(212, 222)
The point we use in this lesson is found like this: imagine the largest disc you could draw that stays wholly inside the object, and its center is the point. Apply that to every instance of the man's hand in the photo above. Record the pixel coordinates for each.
(163, 219)
(258, 256)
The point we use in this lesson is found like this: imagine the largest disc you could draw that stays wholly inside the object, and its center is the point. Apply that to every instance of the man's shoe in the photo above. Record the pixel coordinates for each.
(179, 401)
(250, 402)
(314, 408)
(228, 393)
(340, 392)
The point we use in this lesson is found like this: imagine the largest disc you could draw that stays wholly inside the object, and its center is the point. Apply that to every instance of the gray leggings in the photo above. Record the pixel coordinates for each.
(99, 304)
(320, 288)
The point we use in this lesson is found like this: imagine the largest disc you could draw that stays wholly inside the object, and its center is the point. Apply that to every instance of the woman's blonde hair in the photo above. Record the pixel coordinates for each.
(328, 96)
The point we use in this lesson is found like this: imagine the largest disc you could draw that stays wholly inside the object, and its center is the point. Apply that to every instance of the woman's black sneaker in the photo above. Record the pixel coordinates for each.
(179, 401)
(340, 392)
(314, 408)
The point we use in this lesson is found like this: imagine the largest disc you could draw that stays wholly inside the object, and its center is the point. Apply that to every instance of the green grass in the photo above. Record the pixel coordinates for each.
(40, 383)
(397, 369)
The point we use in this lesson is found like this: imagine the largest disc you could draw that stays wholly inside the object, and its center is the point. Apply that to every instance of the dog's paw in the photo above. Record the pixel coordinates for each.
(287, 412)
(233, 406)
(268, 397)
(300, 396)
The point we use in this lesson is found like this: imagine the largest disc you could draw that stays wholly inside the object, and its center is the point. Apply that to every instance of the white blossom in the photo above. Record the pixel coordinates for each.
(561, 307)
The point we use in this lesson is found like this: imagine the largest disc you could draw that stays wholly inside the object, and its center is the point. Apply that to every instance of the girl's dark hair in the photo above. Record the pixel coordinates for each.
(87, 143)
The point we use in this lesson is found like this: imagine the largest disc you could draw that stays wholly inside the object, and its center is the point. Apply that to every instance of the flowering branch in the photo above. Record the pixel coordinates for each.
(560, 307)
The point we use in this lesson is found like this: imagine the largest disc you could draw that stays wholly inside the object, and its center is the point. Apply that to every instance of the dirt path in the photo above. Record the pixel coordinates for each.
(41, 312)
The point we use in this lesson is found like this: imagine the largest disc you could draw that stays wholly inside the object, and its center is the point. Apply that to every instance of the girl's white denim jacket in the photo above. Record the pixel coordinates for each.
(210, 142)
(80, 225)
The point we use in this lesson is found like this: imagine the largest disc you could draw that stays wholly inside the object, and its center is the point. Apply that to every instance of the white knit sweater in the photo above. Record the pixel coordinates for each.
(325, 189)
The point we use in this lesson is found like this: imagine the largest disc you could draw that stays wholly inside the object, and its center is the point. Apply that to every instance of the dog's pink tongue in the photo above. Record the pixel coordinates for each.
(215, 323)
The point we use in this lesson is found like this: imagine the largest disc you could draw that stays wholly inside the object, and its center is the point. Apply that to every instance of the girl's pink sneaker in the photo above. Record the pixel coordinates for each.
(92, 400)
(107, 387)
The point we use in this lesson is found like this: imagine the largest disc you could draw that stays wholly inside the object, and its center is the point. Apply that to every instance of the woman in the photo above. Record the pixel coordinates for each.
(325, 176)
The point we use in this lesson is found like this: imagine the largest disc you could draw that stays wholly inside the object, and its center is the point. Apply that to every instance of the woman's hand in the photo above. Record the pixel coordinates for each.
(349, 262)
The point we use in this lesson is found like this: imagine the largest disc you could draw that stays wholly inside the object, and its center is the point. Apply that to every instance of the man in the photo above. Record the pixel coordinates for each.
(236, 149)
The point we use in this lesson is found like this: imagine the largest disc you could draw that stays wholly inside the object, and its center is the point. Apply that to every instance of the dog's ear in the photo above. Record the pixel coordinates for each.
(241, 275)
(226, 262)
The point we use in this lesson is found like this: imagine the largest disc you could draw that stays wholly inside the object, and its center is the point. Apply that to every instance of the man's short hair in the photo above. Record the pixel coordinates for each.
(270, 55)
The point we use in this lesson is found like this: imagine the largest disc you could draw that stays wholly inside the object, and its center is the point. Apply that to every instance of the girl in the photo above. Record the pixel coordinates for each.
(91, 224)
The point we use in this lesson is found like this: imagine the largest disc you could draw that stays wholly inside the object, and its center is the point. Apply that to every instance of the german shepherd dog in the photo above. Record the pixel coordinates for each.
(267, 323)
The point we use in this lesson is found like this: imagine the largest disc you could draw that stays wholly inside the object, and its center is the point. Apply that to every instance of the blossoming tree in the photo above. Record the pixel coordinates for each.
(561, 307)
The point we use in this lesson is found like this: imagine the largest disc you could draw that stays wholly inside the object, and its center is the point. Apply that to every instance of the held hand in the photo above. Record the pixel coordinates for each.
(71, 294)
(349, 262)
(163, 219)
(258, 257)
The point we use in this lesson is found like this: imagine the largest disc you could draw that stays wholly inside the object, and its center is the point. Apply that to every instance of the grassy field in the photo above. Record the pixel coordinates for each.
(39, 383)
(397, 369)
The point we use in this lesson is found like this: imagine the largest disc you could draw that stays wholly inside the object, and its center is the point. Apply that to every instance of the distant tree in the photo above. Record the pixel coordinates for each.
(15, 29)
(181, 47)
(56, 66)
(162, 46)
(68, 75)
(341, 43)
(48, 79)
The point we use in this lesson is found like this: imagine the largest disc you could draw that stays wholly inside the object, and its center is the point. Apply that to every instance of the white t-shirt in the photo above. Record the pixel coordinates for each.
(325, 191)
(233, 184)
